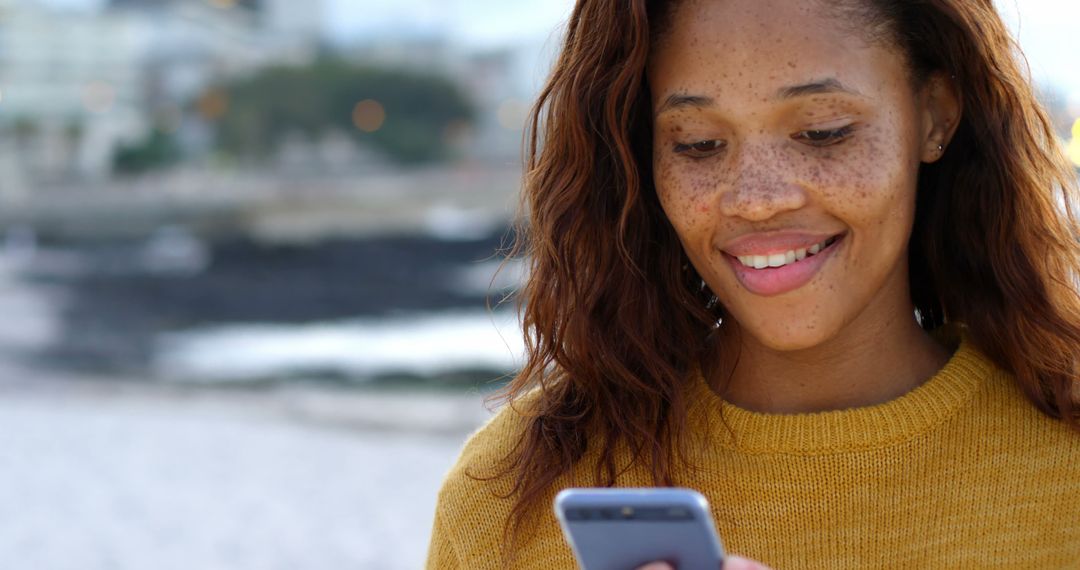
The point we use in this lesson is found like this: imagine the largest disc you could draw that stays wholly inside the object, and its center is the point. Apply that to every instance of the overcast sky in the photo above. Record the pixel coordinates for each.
(1049, 30)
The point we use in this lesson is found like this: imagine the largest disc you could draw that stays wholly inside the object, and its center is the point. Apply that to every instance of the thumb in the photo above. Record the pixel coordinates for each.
(740, 563)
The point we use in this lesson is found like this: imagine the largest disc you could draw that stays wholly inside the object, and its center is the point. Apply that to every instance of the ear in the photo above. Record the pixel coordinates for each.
(941, 109)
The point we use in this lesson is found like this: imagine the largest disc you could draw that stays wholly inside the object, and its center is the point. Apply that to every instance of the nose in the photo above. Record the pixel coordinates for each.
(762, 187)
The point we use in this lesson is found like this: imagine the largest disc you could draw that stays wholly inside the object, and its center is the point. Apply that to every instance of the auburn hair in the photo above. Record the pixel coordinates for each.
(615, 317)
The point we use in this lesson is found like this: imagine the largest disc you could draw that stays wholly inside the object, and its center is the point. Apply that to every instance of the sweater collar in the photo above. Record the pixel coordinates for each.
(951, 390)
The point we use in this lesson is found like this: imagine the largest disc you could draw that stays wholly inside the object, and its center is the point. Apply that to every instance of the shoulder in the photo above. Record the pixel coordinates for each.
(487, 448)
(1028, 462)
(1007, 400)
(475, 476)
(1017, 434)
(475, 499)
(1002, 405)
(998, 438)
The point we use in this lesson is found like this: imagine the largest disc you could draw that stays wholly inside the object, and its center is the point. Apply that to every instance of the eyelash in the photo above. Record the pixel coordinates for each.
(832, 136)
(689, 149)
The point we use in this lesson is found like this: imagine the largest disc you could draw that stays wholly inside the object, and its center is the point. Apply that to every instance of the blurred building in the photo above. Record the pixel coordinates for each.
(75, 85)
(70, 85)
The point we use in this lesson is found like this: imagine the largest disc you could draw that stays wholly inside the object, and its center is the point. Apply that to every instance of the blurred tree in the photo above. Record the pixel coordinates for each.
(157, 150)
(73, 131)
(404, 114)
(25, 129)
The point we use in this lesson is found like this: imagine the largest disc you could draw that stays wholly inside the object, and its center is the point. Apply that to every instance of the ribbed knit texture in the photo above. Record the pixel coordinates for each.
(962, 472)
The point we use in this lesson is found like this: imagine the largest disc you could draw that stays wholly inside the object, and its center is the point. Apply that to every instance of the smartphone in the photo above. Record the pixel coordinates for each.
(621, 529)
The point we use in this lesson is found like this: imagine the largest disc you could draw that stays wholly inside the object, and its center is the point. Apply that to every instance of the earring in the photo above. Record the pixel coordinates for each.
(940, 148)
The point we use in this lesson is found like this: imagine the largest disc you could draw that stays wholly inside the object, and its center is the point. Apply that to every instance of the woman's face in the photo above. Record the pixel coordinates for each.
(786, 152)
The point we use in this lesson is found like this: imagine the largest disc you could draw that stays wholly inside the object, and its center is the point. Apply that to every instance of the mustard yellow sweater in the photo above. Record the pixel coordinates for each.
(962, 472)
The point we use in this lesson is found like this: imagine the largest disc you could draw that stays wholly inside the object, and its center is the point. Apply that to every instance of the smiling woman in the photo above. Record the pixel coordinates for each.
(808, 258)
(794, 199)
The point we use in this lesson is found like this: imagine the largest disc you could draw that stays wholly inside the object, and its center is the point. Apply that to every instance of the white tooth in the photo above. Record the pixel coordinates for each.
(814, 249)
(789, 257)
(777, 260)
(760, 261)
(746, 260)
(800, 254)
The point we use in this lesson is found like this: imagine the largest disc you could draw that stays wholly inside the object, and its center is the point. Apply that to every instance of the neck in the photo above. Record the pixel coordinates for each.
(870, 362)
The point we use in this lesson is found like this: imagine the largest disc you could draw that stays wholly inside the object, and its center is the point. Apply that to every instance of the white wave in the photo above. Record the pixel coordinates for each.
(423, 345)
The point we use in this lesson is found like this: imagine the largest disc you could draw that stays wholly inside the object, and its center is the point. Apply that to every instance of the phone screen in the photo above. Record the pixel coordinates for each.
(621, 529)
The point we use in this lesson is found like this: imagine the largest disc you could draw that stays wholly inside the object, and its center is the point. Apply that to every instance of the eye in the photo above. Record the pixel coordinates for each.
(825, 137)
(700, 149)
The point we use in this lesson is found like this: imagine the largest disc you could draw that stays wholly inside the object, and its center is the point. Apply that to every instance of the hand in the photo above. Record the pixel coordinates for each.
(730, 563)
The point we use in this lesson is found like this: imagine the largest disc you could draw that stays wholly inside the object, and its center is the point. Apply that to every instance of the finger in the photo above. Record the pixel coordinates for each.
(656, 566)
(740, 563)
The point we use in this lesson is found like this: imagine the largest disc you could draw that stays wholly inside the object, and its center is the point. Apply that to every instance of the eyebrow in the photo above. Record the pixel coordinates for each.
(824, 86)
(830, 85)
(676, 101)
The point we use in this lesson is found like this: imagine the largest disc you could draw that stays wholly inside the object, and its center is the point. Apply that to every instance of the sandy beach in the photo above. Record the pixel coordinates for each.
(133, 477)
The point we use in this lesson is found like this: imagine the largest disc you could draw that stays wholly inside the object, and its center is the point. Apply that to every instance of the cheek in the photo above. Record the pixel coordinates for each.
(686, 194)
(866, 182)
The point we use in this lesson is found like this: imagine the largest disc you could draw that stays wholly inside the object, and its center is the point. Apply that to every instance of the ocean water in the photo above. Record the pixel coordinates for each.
(174, 308)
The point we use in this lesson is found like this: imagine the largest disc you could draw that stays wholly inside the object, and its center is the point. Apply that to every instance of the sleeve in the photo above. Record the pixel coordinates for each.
(441, 554)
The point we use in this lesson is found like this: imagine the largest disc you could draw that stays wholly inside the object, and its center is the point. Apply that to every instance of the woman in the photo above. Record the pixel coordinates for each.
(814, 259)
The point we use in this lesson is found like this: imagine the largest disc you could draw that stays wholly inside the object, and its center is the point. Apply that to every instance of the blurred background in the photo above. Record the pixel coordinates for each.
(249, 306)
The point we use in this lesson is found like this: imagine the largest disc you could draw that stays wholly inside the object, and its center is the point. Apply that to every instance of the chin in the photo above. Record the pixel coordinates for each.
(787, 336)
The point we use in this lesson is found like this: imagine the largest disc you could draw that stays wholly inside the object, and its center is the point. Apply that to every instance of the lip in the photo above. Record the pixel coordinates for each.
(779, 242)
(773, 281)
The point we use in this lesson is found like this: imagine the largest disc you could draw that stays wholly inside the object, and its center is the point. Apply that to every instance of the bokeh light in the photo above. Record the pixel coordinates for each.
(213, 105)
(368, 115)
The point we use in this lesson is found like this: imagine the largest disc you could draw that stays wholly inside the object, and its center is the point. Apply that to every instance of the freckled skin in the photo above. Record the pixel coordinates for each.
(768, 176)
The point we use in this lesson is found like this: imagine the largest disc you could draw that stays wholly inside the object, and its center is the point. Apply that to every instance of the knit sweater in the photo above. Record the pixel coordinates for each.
(961, 472)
